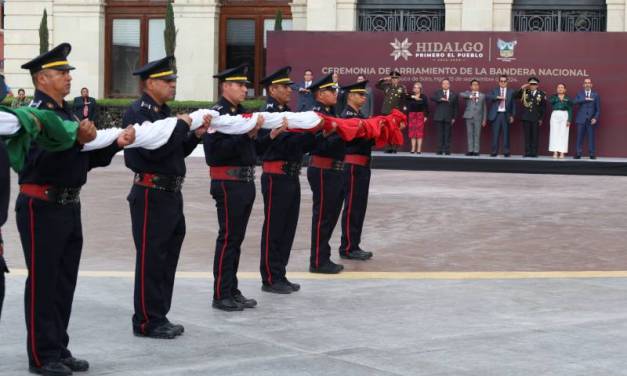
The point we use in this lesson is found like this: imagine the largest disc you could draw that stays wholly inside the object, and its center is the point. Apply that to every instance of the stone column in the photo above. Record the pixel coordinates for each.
(197, 48)
(21, 39)
(502, 15)
(477, 15)
(453, 15)
(299, 14)
(616, 15)
(82, 24)
(321, 15)
(346, 15)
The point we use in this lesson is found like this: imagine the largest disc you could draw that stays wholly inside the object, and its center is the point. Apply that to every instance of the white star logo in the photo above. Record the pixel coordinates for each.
(401, 49)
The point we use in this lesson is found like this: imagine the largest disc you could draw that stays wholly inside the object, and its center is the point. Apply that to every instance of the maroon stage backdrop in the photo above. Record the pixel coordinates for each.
(462, 56)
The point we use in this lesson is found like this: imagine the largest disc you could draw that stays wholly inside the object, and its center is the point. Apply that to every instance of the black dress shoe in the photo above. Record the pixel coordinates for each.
(164, 331)
(75, 364)
(389, 151)
(279, 287)
(506, 155)
(493, 155)
(51, 369)
(294, 286)
(328, 268)
(244, 301)
(577, 157)
(227, 304)
(447, 153)
(357, 254)
(439, 153)
(180, 329)
(593, 157)
(469, 154)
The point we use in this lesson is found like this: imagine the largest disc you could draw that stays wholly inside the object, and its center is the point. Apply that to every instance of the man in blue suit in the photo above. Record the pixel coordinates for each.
(305, 97)
(587, 119)
(501, 115)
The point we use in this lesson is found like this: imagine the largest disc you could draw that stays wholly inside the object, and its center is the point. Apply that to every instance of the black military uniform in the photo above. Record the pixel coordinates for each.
(534, 105)
(5, 190)
(156, 206)
(280, 187)
(5, 185)
(49, 221)
(231, 159)
(357, 183)
(326, 181)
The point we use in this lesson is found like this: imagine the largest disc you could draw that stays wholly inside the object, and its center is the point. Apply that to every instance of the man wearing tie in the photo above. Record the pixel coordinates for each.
(444, 116)
(85, 106)
(475, 115)
(587, 119)
(501, 115)
(305, 97)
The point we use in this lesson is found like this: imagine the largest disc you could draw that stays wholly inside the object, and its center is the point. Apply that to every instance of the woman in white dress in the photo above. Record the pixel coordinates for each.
(561, 118)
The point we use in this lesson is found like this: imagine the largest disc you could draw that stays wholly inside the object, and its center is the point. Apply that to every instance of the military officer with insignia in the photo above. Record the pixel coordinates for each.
(5, 190)
(280, 186)
(394, 94)
(356, 178)
(61, 135)
(325, 176)
(156, 201)
(231, 160)
(48, 214)
(534, 105)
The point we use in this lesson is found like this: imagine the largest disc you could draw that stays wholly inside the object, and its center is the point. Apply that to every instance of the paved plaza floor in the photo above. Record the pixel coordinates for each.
(473, 274)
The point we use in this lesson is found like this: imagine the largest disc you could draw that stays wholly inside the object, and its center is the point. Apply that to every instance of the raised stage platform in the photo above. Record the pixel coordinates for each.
(513, 164)
(485, 163)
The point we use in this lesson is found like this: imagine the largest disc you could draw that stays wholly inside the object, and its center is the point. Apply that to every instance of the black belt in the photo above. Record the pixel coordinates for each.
(236, 173)
(289, 168)
(162, 182)
(58, 195)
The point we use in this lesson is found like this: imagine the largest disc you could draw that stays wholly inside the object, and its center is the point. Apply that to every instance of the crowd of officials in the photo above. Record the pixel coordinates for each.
(497, 107)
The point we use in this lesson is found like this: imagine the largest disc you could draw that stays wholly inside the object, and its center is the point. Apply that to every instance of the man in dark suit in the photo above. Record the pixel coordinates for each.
(534, 103)
(305, 97)
(587, 119)
(501, 115)
(444, 116)
(85, 106)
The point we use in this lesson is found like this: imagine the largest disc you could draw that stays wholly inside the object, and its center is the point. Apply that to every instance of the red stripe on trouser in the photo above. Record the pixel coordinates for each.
(33, 342)
(349, 209)
(143, 263)
(269, 277)
(320, 209)
(226, 241)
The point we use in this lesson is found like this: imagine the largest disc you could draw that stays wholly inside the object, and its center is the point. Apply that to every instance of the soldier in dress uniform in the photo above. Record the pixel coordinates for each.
(325, 175)
(231, 159)
(280, 186)
(49, 220)
(534, 104)
(61, 134)
(394, 94)
(5, 190)
(156, 202)
(356, 178)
